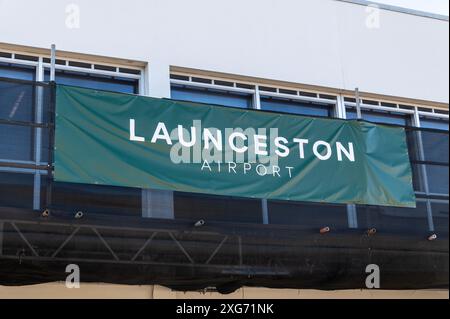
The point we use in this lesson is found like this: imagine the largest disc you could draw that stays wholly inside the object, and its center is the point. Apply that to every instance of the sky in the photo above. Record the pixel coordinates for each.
(433, 6)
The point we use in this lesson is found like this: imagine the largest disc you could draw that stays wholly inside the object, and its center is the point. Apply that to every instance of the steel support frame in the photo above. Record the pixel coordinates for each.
(190, 262)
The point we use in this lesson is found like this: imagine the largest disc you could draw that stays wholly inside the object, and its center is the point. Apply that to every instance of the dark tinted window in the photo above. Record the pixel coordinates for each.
(16, 190)
(434, 144)
(16, 142)
(434, 123)
(16, 101)
(14, 71)
(295, 107)
(211, 96)
(98, 82)
(380, 117)
(437, 178)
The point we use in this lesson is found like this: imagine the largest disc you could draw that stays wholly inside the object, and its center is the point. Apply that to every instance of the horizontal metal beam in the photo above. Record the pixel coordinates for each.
(127, 262)
(32, 167)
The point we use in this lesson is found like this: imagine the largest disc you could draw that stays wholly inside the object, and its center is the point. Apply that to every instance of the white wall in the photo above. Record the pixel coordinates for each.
(318, 42)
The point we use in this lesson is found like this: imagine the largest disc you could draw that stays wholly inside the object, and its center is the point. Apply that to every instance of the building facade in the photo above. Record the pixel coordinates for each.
(297, 57)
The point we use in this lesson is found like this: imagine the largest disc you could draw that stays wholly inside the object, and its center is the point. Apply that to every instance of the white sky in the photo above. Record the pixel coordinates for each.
(433, 6)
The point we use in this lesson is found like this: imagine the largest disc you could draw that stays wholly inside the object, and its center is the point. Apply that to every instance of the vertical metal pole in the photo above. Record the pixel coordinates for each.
(52, 63)
(358, 104)
(264, 205)
(340, 108)
(423, 170)
(265, 211)
(51, 133)
(51, 128)
(351, 209)
(39, 101)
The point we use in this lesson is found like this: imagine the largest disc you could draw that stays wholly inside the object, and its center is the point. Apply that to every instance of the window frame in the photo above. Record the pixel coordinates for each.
(35, 166)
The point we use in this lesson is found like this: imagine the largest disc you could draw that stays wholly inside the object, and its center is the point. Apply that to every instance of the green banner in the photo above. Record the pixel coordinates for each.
(126, 140)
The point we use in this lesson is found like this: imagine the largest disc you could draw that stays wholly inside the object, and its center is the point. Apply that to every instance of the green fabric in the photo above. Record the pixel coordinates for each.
(93, 146)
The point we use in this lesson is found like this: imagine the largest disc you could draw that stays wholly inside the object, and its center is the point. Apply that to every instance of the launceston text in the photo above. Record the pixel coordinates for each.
(251, 143)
